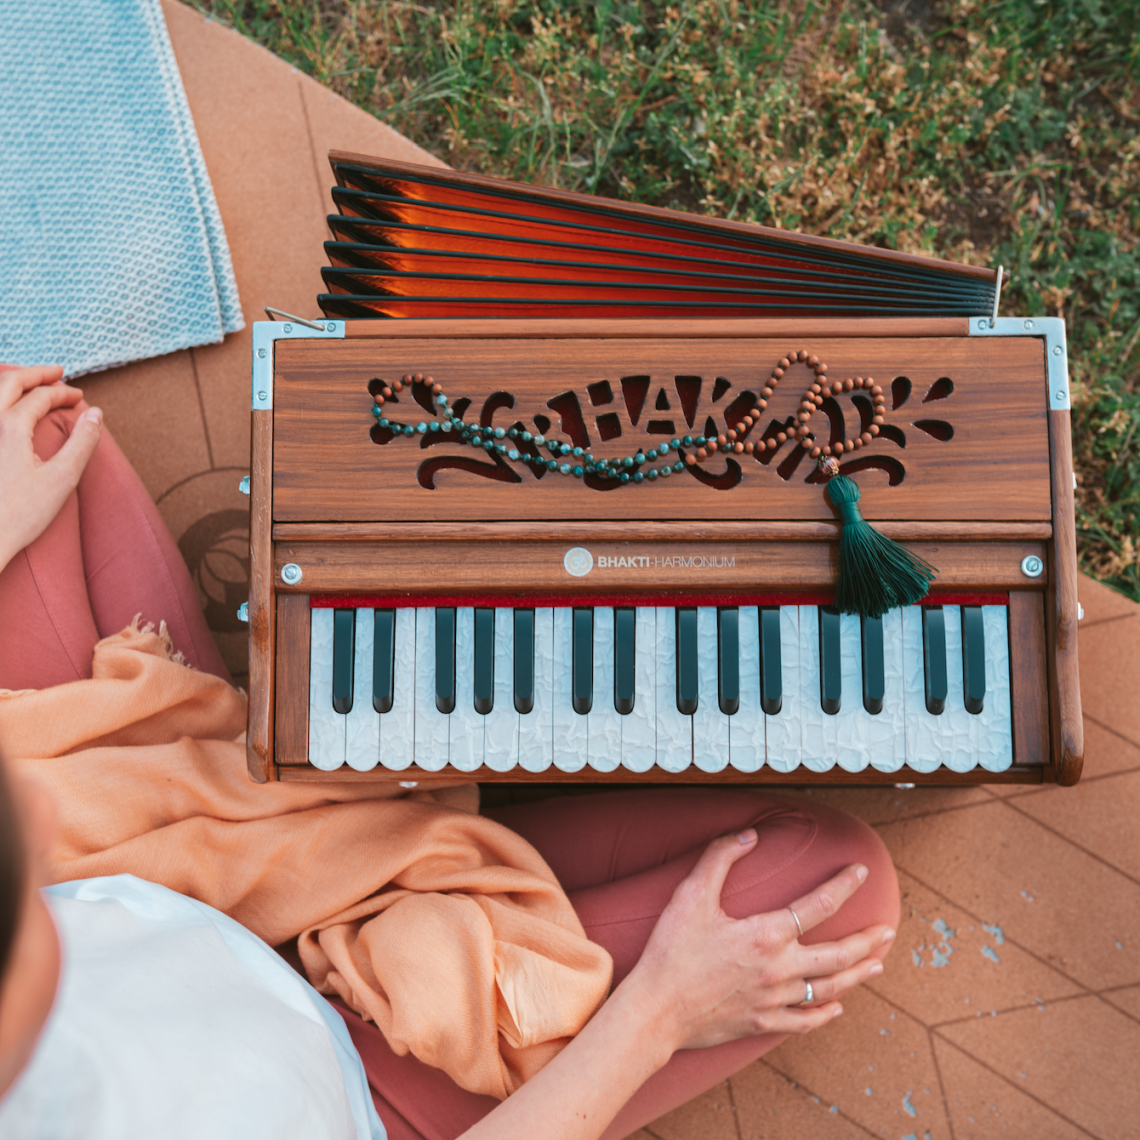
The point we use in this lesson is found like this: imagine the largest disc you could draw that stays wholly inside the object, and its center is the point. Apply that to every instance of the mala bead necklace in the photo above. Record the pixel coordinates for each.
(875, 574)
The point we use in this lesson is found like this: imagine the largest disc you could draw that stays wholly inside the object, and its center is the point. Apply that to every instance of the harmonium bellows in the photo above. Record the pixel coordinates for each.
(565, 517)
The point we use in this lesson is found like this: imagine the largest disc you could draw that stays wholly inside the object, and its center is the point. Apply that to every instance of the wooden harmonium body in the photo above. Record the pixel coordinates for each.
(434, 601)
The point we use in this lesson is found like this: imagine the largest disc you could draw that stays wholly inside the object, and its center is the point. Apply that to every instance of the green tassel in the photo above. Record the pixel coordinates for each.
(875, 574)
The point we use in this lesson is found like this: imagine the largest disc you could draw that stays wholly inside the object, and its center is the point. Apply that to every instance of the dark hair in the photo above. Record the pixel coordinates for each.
(11, 871)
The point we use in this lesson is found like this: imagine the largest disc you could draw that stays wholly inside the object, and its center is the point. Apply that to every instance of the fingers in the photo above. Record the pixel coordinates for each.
(801, 1018)
(835, 985)
(67, 465)
(14, 382)
(706, 879)
(825, 900)
(833, 957)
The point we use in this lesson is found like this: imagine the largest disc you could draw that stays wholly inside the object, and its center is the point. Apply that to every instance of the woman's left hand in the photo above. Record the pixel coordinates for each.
(32, 491)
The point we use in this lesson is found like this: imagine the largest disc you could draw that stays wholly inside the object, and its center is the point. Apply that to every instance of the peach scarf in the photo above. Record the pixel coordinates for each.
(444, 927)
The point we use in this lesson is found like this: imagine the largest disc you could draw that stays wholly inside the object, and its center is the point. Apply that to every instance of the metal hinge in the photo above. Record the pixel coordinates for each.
(264, 335)
(1052, 331)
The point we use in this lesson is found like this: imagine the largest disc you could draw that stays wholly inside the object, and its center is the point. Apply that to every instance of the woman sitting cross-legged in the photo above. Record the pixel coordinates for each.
(570, 968)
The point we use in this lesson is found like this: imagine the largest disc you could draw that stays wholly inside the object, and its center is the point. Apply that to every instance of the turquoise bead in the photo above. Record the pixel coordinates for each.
(421, 427)
(513, 454)
(577, 453)
(638, 477)
(674, 444)
(441, 400)
(639, 458)
(446, 427)
(579, 471)
(688, 441)
(627, 462)
(678, 467)
(666, 471)
(624, 477)
(565, 468)
(476, 441)
(435, 425)
(651, 474)
(551, 465)
(539, 440)
(526, 437)
(663, 449)
(651, 454)
(500, 432)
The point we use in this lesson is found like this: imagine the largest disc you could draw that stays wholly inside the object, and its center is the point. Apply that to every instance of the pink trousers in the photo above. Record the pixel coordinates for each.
(620, 855)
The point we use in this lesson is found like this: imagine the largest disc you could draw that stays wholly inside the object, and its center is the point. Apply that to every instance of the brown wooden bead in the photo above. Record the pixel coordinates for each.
(827, 449)
(748, 422)
(378, 400)
(436, 389)
(873, 429)
(812, 361)
(386, 391)
(773, 444)
(690, 459)
(782, 436)
(740, 428)
(807, 443)
(755, 414)
(803, 417)
(816, 452)
(398, 386)
(731, 433)
(738, 448)
(801, 355)
(777, 375)
(815, 389)
(866, 437)
(848, 385)
(722, 439)
(825, 391)
(849, 445)
(407, 378)
(876, 390)
(818, 401)
(749, 448)
(879, 401)
(785, 363)
(856, 443)
(712, 445)
(760, 406)
(868, 383)
(876, 420)
(766, 393)
(418, 378)
(821, 370)
(701, 453)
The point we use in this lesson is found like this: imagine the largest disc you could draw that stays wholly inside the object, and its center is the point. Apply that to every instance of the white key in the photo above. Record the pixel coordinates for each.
(501, 724)
(603, 723)
(995, 724)
(398, 727)
(433, 730)
(536, 728)
(639, 728)
(852, 727)
(782, 731)
(923, 731)
(746, 728)
(466, 723)
(817, 729)
(326, 726)
(959, 732)
(362, 724)
(710, 725)
(886, 732)
(674, 731)
(571, 740)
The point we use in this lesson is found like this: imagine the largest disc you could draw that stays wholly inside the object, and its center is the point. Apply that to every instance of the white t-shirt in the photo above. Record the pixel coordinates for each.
(174, 1021)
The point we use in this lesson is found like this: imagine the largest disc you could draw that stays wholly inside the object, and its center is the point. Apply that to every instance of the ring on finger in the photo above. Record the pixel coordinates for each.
(809, 996)
(798, 926)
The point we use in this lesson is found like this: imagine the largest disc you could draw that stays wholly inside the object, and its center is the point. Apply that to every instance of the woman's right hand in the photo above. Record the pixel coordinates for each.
(709, 978)
(31, 491)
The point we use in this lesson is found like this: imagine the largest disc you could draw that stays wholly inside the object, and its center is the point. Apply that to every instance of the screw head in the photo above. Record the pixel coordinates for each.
(1029, 324)
(409, 783)
(983, 324)
(287, 327)
(261, 396)
(331, 326)
(291, 573)
(1060, 396)
(1057, 350)
(1032, 566)
(261, 354)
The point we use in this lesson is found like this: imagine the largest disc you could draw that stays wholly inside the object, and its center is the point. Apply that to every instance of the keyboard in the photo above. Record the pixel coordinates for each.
(635, 687)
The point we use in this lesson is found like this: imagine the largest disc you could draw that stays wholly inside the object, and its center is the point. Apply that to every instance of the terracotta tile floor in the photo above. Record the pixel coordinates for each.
(1011, 1004)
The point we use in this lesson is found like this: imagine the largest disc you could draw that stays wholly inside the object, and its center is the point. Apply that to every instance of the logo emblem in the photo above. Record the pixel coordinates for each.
(578, 562)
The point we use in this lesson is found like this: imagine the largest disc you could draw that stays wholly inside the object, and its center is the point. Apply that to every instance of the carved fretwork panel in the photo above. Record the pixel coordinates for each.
(963, 433)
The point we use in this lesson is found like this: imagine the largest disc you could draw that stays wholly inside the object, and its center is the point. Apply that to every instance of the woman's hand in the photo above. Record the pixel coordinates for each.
(710, 978)
(32, 491)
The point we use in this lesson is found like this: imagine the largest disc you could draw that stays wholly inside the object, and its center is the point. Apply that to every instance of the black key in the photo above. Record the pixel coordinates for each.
(830, 667)
(874, 669)
(771, 681)
(934, 658)
(625, 658)
(445, 659)
(344, 653)
(687, 660)
(383, 660)
(484, 659)
(728, 659)
(582, 670)
(524, 661)
(973, 659)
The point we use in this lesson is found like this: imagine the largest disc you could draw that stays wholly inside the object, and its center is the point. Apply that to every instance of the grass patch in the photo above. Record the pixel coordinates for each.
(984, 132)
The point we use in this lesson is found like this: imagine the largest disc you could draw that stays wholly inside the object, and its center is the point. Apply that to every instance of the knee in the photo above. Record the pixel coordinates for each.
(52, 432)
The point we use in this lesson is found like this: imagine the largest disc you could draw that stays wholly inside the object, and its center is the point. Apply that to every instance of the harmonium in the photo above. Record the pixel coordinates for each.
(540, 497)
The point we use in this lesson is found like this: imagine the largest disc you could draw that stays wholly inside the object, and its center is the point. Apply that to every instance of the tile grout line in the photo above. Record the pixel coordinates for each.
(1017, 1009)
(800, 1085)
(1107, 728)
(981, 921)
(1025, 1092)
(1064, 838)
(1108, 1001)
(1105, 621)
(732, 1105)
(189, 478)
(941, 1085)
(202, 410)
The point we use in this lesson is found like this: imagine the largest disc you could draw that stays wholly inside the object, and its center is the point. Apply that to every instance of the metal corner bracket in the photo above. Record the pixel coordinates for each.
(1052, 331)
(265, 333)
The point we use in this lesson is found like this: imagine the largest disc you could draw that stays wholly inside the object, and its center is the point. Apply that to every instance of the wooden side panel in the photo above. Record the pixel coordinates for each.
(1065, 691)
(965, 436)
(292, 712)
(1029, 675)
(262, 615)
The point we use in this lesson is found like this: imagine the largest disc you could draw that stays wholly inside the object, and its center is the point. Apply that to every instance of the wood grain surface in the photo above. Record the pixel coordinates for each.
(995, 467)
(1029, 678)
(262, 601)
(291, 715)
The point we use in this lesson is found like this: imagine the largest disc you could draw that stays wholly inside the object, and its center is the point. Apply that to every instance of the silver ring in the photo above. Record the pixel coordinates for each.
(798, 927)
(809, 996)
